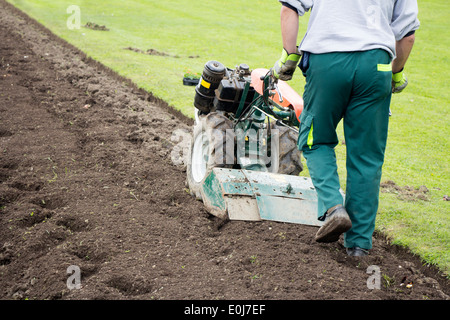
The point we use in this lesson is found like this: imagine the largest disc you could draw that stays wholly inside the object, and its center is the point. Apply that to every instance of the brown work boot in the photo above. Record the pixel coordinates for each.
(336, 223)
(357, 252)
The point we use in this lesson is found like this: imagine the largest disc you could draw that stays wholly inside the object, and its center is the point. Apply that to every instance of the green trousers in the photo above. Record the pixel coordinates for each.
(355, 87)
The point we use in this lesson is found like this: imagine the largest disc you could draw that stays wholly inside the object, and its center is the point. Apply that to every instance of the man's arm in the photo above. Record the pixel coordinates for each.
(285, 67)
(403, 24)
(403, 48)
(289, 29)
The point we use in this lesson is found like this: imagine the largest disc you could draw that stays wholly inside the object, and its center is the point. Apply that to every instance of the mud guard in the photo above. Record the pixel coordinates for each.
(247, 195)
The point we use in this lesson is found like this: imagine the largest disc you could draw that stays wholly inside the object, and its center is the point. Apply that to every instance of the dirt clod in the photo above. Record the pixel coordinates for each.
(406, 193)
(94, 26)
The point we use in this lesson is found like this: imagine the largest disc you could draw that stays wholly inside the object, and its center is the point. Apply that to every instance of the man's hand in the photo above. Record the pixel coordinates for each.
(285, 67)
(399, 82)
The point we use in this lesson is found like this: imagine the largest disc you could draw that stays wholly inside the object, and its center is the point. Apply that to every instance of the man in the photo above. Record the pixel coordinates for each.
(353, 55)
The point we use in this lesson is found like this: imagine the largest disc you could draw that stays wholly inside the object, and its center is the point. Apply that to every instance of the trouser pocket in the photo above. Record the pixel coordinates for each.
(305, 136)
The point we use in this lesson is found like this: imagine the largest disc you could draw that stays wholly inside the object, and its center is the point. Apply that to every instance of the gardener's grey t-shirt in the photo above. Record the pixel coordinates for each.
(355, 25)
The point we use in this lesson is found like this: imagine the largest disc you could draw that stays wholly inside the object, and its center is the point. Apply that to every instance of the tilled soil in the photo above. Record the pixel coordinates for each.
(87, 180)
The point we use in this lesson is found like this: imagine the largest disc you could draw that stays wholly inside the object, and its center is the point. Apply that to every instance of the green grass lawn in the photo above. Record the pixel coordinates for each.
(233, 32)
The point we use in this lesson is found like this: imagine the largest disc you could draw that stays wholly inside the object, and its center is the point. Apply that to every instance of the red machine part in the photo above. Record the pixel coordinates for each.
(291, 99)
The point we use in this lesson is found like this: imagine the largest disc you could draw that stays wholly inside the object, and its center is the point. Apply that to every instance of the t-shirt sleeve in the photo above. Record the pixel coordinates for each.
(405, 18)
(301, 6)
